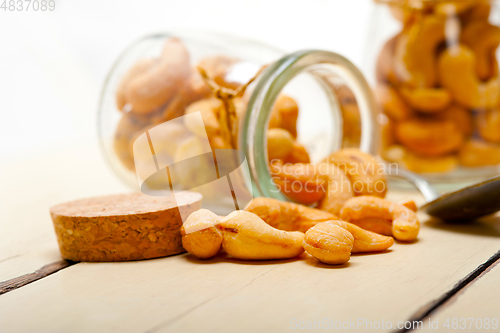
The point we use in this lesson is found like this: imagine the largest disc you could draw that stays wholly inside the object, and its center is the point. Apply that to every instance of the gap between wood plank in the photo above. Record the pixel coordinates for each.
(428, 309)
(21, 281)
(420, 315)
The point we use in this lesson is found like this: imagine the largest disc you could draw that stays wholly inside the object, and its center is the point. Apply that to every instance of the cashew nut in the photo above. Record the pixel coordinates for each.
(364, 240)
(392, 103)
(376, 225)
(209, 109)
(453, 8)
(284, 115)
(366, 174)
(217, 67)
(488, 124)
(339, 188)
(193, 90)
(247, 236)
(139, 68)
(287, 215)
(200, 236)
(300, 182)
(430, 137)
(428, 100)
(421, 164)
(457, 72)
(279, 144)
(385, 62)
(351, 124)
(329, 243)
(155, 87)
(405, 225)
(410, 204)
(483, 39)
(298, 154)
(460, 116)
(480, 11)
(415, 52)
(477, 153)
(128, 129)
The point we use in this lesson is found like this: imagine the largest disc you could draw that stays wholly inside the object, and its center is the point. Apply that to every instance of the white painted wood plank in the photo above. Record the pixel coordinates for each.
(475, 309)
(181, 293)
(30, 187)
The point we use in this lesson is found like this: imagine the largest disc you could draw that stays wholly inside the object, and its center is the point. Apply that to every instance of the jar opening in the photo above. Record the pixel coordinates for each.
(319, 65)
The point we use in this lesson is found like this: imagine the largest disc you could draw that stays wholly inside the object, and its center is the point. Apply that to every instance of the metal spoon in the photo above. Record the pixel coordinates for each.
(467, 203)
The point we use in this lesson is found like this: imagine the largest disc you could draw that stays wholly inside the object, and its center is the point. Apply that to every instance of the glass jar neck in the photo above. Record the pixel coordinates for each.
(320, 65)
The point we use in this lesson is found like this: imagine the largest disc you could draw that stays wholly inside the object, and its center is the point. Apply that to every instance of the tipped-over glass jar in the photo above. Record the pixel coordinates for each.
(434, 64)
(175, 104)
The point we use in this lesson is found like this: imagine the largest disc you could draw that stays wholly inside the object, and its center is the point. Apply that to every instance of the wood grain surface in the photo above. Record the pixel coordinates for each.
(473, 309)
(29, 189)
(182, 293)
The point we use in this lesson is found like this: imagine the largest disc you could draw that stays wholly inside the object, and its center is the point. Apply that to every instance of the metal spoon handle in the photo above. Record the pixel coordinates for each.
(427, 190)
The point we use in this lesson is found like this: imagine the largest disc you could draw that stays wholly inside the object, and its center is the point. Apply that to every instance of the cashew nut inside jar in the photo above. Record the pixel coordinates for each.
(183, 111)
(434, 67)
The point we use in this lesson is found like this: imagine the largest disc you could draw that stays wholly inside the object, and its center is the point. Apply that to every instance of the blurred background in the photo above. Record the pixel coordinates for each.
(53, 64)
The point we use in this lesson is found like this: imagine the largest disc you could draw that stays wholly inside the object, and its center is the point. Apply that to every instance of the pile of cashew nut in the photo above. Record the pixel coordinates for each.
(347, 188)
(271, 229)
(438, 84)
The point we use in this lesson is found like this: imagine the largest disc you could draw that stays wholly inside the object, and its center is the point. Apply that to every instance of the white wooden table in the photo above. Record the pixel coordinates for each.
(450, 272)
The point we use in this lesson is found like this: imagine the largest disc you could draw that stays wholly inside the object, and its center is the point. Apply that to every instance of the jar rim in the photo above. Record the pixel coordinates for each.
(252, 137)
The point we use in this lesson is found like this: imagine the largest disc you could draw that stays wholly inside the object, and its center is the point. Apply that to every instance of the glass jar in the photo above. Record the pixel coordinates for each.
(155, 139)
(434, 66)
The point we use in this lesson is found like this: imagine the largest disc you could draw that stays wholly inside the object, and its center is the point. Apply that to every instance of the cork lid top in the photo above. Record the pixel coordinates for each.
(124, 204)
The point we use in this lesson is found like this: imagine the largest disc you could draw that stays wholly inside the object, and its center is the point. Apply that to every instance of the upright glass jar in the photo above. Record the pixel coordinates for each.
(174, 101)
(434, 64)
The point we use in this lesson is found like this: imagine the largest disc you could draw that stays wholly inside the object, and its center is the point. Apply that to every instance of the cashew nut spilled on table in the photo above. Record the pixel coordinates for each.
(329, 243)
(200, 236)
(287, 215)
(364, 240)
(338, 188)
(405, 225)
(247, 236)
